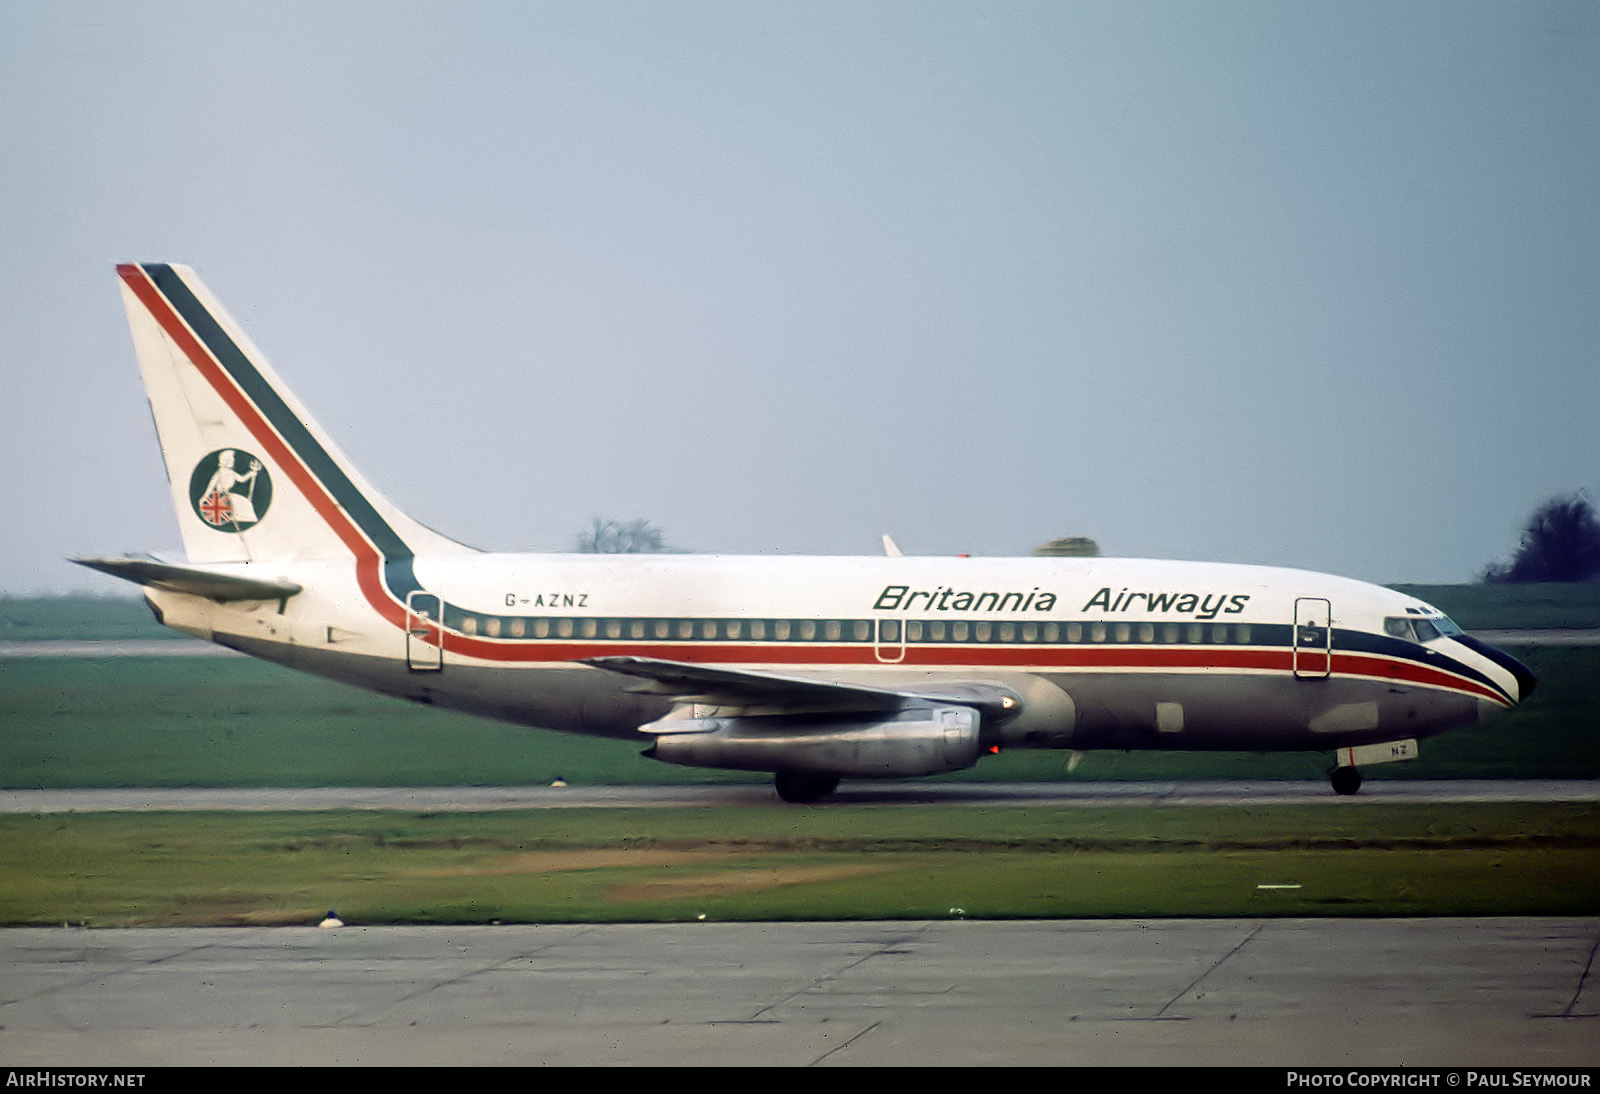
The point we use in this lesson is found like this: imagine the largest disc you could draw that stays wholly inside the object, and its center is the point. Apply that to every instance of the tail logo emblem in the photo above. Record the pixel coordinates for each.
(230, 490)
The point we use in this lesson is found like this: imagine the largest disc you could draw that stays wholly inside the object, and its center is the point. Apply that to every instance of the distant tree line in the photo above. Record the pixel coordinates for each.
(1069, 547)
(1561, 543)
(615, 537)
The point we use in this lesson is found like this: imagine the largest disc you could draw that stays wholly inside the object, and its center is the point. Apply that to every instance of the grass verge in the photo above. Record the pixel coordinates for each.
(641, 865)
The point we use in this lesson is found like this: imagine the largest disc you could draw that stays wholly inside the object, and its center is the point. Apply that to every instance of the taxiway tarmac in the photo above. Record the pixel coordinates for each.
(1432, 992)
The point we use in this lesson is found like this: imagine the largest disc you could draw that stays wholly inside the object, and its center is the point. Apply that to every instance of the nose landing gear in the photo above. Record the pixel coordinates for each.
(1345, 780)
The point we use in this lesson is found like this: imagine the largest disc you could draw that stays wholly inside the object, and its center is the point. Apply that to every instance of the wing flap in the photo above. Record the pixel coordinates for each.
(742, 687)
(780, 693)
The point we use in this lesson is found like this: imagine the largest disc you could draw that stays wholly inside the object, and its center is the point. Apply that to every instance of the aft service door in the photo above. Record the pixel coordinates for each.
(424, 649)
(1313, 637)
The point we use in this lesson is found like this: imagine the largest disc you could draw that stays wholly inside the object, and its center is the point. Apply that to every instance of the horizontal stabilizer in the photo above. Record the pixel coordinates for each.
(188, 579)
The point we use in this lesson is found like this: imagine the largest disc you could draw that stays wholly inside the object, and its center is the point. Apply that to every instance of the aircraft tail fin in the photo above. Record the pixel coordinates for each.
(253, 477)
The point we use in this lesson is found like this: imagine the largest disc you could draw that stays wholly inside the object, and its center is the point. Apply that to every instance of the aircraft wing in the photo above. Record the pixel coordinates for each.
(746, 687)
(188, 579)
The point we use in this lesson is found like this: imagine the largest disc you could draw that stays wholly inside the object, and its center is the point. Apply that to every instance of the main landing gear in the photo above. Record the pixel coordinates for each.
(802, 787)
(1345, 780)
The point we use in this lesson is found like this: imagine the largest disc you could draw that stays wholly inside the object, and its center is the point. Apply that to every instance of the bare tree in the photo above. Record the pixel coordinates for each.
(1561, 543)
(613, 537)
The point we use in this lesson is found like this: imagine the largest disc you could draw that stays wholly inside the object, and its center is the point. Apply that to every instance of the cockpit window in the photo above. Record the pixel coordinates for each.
(1416, 628)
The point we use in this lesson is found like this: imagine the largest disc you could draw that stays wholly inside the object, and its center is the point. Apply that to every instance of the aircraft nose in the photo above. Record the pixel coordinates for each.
(1526, 680)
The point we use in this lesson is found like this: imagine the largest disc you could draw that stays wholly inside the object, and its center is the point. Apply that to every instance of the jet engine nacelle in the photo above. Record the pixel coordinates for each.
(922, 740)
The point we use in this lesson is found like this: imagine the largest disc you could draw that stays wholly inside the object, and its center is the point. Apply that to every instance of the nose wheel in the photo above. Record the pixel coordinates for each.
(1345, 780)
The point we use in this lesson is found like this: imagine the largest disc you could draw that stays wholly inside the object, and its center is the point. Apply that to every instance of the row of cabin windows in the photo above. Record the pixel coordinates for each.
(855, 630)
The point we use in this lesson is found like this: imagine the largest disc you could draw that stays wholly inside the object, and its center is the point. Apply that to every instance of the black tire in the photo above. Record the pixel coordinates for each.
(1346, 780)
(803, 787)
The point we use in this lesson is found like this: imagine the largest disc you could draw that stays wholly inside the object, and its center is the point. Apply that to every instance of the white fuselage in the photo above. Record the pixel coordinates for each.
(1105, 652)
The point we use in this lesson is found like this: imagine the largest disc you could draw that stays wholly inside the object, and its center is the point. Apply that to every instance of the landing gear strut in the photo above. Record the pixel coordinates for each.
(1346, 780)
(801, 787)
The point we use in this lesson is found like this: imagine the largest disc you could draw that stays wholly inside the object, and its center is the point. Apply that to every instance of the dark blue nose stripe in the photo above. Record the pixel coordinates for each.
(1526, 680)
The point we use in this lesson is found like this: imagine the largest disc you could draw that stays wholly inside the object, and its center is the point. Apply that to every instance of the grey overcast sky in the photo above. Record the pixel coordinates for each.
(1310, 284)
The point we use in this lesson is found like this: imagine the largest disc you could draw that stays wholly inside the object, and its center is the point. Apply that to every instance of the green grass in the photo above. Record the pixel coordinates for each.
(78, 618)
(783, 863)
(133, 721)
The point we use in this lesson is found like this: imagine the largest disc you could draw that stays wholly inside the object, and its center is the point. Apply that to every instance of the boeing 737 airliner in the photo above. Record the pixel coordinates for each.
(814, 669)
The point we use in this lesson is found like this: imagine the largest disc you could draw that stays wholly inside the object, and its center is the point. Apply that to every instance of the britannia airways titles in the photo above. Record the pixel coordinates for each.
(903, 598)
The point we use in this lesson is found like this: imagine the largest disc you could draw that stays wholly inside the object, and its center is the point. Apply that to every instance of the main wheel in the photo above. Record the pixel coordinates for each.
(1346, 780)
(801, 787)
